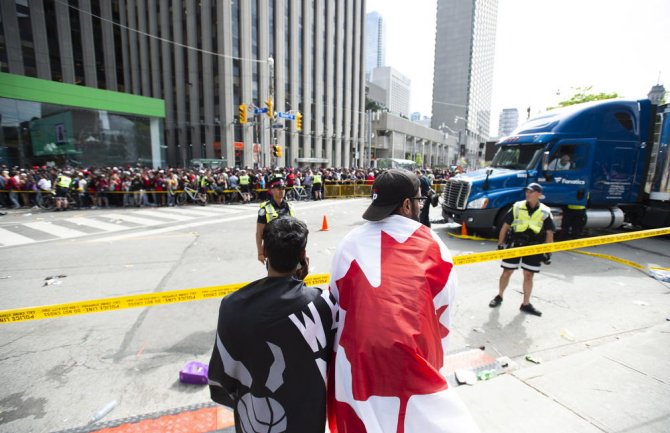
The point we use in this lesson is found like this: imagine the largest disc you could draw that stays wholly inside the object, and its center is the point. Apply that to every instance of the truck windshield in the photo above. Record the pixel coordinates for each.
(517, 157)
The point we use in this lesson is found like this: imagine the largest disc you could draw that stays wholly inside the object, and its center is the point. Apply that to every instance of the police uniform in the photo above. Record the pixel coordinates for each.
(245, 183)
(270, 211)
(528, 226)
(63, 185)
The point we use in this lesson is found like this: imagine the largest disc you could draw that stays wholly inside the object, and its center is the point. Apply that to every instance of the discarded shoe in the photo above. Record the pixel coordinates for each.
(528, 308)
(495, 301)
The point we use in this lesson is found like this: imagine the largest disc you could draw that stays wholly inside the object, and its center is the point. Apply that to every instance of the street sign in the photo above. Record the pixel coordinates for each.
(283, 115)
(260, 110)
(278, 125)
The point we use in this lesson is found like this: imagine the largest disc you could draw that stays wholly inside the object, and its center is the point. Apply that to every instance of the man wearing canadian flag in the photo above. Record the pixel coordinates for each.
(395, 283)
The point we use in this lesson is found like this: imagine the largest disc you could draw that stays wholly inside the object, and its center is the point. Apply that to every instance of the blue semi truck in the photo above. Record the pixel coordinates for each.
(615, 161)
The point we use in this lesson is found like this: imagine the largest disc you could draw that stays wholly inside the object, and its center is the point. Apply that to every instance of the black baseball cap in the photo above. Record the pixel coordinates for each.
(535, 187)
(389, 190)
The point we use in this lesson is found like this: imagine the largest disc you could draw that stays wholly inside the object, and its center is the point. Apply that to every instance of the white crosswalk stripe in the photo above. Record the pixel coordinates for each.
(55, 229)
(151, 213)
(96, 224)
(131, 219)
(114, 222)
(9, 238)
(128, 220)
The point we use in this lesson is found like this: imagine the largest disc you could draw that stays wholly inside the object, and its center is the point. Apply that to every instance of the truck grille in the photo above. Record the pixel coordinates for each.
(456, 194)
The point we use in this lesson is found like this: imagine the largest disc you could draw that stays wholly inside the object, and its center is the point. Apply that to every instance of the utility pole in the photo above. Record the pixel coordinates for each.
(369, 158)
(271, 92)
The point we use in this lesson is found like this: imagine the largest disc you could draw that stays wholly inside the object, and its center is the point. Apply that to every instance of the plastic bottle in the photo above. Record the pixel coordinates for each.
(102, 412)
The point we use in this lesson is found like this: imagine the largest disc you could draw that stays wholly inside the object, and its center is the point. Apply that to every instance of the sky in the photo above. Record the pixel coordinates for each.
(544, 49)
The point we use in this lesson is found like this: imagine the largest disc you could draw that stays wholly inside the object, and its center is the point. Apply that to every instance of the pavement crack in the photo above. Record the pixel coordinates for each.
(130, 334)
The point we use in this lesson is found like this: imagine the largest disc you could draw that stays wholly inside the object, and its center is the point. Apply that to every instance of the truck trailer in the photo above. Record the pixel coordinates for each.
(610, 156)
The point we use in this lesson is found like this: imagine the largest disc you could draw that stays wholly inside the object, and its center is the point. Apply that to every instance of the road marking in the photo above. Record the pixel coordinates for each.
(165, 215)
(55, 229)
(89, 222)
(132, 219)
(8, 238)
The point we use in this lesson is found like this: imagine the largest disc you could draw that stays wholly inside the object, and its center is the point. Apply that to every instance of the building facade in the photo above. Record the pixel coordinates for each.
(508, 121)
(397, 87)
(463, 71)
(375, 43)
(205, 59)
(397, 137)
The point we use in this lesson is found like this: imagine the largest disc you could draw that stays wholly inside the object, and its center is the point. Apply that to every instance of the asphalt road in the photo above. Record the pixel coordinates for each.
(57, 373)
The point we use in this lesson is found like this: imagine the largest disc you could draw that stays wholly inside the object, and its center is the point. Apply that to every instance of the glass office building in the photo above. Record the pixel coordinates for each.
(203, 60)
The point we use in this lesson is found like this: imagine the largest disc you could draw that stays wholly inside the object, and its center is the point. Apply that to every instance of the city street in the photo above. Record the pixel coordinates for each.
(603, 321)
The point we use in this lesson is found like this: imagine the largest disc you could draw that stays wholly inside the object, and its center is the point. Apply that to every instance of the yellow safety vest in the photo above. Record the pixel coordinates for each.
(524, 221)
(244, 180)
(272, 214)
(64, 181)
(316, 178)
(203, 182)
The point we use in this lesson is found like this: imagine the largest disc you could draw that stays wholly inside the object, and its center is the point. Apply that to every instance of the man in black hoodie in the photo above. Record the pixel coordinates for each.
(274, 339)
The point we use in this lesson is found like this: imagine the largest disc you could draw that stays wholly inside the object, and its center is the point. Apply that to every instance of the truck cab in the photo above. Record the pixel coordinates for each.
(594, 154)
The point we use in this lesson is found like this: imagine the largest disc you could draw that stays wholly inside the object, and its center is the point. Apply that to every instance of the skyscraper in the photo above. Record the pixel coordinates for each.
(375, 42)
(463, 71)
(509, 120)
(397, 88)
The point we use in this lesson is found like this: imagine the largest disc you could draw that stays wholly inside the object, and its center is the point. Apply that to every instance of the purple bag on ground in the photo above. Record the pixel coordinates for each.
(194, 372)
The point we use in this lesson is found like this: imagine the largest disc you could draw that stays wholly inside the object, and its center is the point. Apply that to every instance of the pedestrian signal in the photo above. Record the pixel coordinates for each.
(270, 113)
(298, 122)
(243, 113)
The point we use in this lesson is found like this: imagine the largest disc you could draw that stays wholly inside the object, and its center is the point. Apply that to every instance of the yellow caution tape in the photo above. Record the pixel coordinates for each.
(196, 294)
(132, 301)
(468, 259)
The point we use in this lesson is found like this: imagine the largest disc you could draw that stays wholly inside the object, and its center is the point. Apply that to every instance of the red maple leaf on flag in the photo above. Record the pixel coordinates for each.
(392, 333)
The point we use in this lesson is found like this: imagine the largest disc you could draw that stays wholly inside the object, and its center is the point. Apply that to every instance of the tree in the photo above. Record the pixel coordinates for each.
(581, 94)
(373, 105)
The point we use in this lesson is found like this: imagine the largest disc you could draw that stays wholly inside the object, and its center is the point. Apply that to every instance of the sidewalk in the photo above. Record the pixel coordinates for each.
(620, 386)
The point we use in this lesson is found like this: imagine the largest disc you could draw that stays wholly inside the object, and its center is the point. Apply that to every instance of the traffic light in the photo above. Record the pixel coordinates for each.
(275, 150)
(279, 151)
(270, 113)
(243, 114)
(298, 122)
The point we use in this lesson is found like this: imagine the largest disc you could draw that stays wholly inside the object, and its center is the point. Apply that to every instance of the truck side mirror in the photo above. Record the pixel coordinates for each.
(545, 160)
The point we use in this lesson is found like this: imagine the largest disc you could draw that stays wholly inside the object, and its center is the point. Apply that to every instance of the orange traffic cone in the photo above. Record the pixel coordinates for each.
(324, 224)
(464, 229)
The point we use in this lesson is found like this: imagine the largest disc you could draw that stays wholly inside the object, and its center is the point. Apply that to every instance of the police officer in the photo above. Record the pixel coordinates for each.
(63, 182)
(275, 207)
(531, 224)
(574, 220)
(245, 186)
(317, 183)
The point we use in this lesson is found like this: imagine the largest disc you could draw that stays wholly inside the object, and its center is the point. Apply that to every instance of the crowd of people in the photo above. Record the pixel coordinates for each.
(141, 186)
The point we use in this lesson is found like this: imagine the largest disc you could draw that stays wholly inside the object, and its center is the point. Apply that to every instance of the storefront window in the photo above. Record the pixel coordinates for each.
(34, 133)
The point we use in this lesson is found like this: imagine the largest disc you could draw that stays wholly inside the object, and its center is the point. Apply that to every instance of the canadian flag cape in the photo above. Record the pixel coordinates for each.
(394, 282)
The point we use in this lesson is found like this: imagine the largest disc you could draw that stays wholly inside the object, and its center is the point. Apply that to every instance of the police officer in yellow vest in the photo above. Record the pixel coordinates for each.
(245, 186)
(63, 182)
(531, 224)
(574, 220)
(317, 183)
(275, 207)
